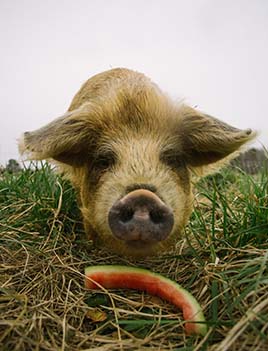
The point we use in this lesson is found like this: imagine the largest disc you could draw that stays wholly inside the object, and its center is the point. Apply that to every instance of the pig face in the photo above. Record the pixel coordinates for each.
(133, 154)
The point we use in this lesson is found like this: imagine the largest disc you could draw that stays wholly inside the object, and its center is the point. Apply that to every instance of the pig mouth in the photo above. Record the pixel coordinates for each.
(139, 244)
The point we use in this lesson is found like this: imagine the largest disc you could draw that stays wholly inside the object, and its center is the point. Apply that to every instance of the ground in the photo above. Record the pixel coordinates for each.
(222, 261)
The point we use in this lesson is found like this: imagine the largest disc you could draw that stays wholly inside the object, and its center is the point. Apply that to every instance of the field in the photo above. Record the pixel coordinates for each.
(222, 260)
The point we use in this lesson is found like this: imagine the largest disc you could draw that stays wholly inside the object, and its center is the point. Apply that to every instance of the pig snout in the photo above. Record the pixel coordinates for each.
(140, 216)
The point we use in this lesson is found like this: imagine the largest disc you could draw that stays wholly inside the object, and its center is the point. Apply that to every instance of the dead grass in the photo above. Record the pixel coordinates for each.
(43, 253)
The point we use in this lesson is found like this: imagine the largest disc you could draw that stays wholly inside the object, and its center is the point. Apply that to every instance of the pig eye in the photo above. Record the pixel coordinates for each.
(102, 162)
(173, 160)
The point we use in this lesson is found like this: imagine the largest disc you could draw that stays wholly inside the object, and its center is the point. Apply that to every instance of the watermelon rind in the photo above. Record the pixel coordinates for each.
(200, 326)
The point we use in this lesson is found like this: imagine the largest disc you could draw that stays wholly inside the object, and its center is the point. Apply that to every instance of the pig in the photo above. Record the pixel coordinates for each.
(133, 155)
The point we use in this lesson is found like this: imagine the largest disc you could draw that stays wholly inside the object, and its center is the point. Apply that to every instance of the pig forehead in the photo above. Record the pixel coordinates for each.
(141, 115)
(143, 132)
(139, 146)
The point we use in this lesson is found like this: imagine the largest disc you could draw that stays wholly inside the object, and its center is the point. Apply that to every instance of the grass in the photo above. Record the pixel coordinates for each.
(222, 260)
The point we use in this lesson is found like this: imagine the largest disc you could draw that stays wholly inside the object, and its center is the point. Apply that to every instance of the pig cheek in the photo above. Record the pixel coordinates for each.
(179, 197)
(93, 207)
(181, 216)
(105, 197)
(182, 212)
(184, 209)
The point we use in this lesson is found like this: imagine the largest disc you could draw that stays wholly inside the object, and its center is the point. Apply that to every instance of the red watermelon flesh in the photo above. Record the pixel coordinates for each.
(114, 277)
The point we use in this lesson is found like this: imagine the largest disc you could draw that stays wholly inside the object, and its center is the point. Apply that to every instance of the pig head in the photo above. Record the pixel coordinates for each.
(133, 154)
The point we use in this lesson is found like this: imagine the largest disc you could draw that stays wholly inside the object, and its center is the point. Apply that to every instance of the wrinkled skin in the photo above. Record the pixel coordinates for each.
(122, 133)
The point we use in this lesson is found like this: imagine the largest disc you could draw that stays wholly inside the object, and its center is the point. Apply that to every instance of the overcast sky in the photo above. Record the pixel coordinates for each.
(212, 53)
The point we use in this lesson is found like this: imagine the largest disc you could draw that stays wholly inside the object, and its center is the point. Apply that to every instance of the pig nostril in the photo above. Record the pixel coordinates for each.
(126, 215)
(157, 217)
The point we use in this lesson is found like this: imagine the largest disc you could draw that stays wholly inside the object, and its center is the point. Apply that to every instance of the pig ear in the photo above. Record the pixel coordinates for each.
(208, 142)
(66, 139)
